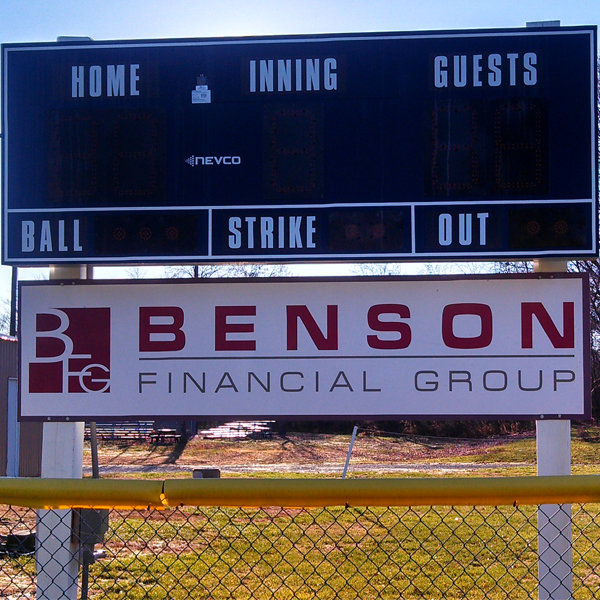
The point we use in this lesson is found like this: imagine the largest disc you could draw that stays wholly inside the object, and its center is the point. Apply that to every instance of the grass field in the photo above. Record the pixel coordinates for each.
(335, 553)
(340, 552)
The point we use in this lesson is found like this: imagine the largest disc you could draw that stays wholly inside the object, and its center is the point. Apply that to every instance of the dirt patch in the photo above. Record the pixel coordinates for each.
(297, 452)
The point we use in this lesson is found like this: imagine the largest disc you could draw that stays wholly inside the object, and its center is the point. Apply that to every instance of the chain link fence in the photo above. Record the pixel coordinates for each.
(334, 552)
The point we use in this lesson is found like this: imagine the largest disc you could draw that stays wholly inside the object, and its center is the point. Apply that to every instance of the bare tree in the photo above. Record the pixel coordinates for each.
(136, 273)
(519, 266)
(201, 271)
(228, 270)
(257, 270)
(5, 316)
(378, 269)
(461, 268)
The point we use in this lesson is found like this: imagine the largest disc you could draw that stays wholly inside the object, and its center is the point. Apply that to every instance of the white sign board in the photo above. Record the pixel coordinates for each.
(379, 348)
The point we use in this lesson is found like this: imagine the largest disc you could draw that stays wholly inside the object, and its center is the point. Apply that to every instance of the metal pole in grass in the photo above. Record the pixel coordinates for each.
(352, 440)
(93, 436)
(94, 450)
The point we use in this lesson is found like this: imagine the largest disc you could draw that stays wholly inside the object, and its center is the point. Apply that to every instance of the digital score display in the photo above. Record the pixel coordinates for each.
(81, 171)
(396, 146)
(497, 148)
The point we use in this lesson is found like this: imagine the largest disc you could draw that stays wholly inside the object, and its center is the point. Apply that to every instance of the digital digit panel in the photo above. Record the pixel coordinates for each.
(136, 161)
(497, 148)
(475, 145)
(520, 148)
(106, 156)
(293, 153)
(73, 157)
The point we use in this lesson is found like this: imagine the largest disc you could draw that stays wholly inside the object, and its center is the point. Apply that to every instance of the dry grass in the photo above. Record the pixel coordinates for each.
(303, 452)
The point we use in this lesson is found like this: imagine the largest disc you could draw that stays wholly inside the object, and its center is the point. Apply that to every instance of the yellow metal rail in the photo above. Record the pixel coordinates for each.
(298, 493)
(81, 493)
(383, 492)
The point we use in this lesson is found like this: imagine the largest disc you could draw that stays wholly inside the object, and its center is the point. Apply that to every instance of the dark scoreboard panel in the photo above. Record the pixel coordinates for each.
(396, 146)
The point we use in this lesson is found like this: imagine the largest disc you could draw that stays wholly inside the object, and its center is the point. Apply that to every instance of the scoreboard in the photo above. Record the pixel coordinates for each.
(394, 146)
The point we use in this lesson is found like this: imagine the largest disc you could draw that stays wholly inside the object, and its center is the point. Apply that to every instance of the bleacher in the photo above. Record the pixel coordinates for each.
(170, 432)
(125, 431)
(239, 430)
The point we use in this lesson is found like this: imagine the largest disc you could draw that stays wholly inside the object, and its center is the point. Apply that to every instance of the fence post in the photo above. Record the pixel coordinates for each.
(352, 440)
(555, 552)
(57, 556)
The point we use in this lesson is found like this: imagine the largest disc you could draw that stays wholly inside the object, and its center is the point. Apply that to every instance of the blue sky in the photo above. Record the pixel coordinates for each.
(45, 20)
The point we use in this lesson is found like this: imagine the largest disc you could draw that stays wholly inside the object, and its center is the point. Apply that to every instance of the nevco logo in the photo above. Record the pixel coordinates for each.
(195, 161)
(72, 351)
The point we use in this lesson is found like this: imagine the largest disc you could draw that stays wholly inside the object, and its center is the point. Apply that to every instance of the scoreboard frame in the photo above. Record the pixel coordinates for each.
(415, 146)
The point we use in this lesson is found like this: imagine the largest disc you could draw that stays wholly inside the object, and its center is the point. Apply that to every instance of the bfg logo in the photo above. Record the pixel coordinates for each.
(72, 351)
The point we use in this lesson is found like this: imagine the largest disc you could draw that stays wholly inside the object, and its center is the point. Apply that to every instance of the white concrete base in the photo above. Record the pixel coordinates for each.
(555, 551)
(57, 557)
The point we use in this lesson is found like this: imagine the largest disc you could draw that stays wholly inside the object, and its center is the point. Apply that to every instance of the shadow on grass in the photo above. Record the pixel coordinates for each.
(177, 451)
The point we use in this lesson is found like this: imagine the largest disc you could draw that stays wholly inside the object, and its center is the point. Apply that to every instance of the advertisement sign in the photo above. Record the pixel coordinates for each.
(395, 146)
(362, 348)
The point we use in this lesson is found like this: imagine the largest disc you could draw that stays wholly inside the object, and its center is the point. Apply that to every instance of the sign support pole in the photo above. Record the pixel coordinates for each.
(57, 556)
(553, 443)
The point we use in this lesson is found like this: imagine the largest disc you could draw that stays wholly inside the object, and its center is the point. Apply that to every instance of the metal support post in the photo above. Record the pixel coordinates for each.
(555, 554)
(352, 440)
(57, 555)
